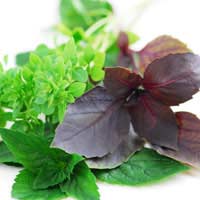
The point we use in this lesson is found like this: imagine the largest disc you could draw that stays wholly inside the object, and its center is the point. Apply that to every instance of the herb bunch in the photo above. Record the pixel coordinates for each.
(86, 109)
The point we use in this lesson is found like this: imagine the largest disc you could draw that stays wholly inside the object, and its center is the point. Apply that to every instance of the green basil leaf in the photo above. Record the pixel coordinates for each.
(77, 89)
(79, 74)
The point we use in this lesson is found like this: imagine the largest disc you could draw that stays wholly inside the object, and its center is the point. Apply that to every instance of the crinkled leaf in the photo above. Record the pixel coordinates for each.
(93, 126)
(174, 78)
(84, 13)
(158, 48)
(57, 163)
(153, 121)
(5, 154)
(82, 184)
(120, 81)
(23, 189)
(144, 167)
(188, 140)
(123, 152)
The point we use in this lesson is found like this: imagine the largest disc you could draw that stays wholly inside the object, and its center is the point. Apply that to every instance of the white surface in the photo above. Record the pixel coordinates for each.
(24, 24)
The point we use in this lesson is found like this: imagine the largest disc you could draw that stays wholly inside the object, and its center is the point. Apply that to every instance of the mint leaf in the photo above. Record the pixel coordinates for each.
(144, 167)
(50, 166)
(5, 154)
(82, 184)
(84, 13)
(23, 189)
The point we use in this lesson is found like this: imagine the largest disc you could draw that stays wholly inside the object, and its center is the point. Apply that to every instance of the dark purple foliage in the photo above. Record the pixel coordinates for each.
(98, 124)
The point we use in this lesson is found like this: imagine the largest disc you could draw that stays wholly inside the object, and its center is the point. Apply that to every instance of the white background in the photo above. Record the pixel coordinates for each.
(26, 23)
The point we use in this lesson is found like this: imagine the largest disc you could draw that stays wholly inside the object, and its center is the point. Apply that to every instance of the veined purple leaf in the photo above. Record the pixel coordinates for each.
(153, 121)
(188, 140)
(174, 78)
(123, 152)
(158, 48)
(120, 81)
(94, 125)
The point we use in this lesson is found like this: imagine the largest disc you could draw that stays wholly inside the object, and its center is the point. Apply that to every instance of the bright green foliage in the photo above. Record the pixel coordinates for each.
(83, 13)
(77, 89)
(5, 154)
(144, 167)
(82, 184)
(44, 86)
(50, 166)
(23, 189)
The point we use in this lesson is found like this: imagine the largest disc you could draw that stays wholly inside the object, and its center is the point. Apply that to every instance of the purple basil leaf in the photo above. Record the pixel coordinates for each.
(153, 121)
(188, 140)
(174, 78)
(120, 81)
(94, 125)
(126, 148)
(158, 48)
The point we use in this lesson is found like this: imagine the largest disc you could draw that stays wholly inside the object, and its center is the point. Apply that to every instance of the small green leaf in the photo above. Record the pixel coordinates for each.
(77, 89)
(112, 55)
(51, 166)
(70, 51)
(5, 154)
(132, 37)
(34, 59)
(82, 184)
(83, 13)
(22, 58)
(144, 167)
(23, 189)
(79, 74)
(97, 74)
(99, 60)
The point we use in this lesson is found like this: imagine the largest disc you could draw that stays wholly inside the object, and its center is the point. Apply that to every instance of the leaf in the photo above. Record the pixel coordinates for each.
(174, 78)
(158, 48)
(5, 154)
(84, 13)
(79, 74)
(112, 55)
(144, 167)
(82, 184)
(153, 121)
(77, 89)
(35, 154)
(188, 140)
(22, 58)
(93, 126)
(23, 189)
(123, 152)
(97, 74)
(120, 81)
